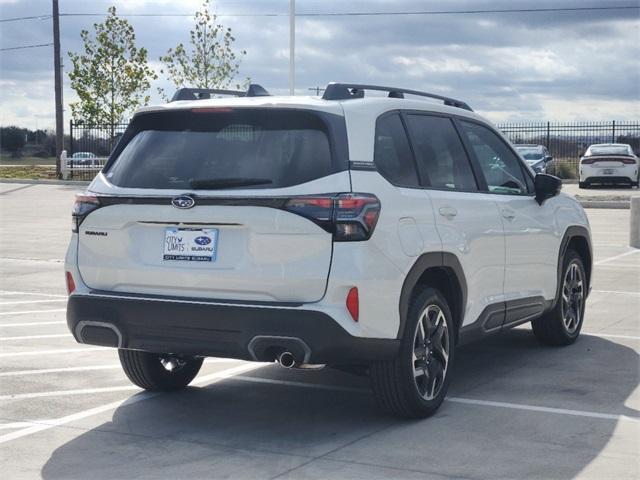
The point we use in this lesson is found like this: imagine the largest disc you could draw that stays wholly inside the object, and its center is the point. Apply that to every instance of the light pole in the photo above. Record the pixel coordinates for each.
(57, 67)
(292, 46)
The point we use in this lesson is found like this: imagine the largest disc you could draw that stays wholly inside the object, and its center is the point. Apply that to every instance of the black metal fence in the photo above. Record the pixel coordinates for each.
(89, 147)
(566, 142)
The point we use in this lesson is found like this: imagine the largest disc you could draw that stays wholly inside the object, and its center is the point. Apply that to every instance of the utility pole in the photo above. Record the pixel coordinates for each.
(57, 85)
(292, 46)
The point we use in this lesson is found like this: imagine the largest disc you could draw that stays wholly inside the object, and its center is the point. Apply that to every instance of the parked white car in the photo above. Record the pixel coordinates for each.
(370, 234)
(609, 163)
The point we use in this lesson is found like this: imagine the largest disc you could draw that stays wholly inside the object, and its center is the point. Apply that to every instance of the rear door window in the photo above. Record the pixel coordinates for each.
(392, 153)
(442, 161)
(219, 148)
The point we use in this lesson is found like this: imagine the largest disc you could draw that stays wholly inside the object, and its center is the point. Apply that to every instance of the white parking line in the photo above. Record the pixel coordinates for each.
(44, 371)
(36, 337)
(24, 312)
(610, 259)
(8, 292)
(53, 352)
(470, 401)
(14, 425)
(211, 379)
(22, 302)
(616, 292)
(611, 335)
(535, 408)
(32, 324)
(65, 393)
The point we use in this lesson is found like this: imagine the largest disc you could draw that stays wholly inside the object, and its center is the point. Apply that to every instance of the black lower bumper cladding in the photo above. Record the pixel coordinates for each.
(247, 332)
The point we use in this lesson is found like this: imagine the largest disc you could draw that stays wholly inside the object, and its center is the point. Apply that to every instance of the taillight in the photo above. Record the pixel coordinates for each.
(355, 216)
(628, 161)
(84, 204)
(71, 285)
(353, 303)
(350, 217)
(587, 161)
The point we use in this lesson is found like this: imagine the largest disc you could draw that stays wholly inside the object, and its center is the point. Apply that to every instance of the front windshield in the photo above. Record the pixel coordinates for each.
(531, 153)
(610, 150)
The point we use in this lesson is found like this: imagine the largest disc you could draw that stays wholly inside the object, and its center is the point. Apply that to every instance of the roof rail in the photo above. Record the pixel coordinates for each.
(254, 90)
(347, 91)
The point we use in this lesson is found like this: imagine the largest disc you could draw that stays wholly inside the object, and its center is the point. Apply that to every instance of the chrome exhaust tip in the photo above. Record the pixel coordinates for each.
(286, 359)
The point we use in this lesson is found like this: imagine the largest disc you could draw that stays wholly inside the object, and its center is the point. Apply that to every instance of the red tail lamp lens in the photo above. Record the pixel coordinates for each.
(353, 303)
(71, 285)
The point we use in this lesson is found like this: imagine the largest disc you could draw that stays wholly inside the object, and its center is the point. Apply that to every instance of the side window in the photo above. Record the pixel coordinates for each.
(440, 154)
(499, 164)
(392, 154)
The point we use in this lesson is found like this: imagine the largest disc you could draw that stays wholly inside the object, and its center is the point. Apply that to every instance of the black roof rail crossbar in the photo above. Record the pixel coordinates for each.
(347, 91)
(254, 90)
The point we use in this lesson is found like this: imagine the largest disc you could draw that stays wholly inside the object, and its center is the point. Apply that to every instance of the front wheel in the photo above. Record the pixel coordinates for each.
(561, 326)
(159, 371)
(415, 383)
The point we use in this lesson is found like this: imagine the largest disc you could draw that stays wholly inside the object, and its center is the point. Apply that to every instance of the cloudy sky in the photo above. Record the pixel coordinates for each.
(526, 66)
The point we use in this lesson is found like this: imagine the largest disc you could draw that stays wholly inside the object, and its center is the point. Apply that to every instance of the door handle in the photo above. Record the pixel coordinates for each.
(508, 214)
(448, 212)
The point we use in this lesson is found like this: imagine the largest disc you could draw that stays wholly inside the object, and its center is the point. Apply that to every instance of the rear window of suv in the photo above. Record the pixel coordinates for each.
(219, 148)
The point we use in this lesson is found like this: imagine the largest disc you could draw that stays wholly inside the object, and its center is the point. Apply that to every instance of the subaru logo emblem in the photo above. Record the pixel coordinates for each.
(183, 201)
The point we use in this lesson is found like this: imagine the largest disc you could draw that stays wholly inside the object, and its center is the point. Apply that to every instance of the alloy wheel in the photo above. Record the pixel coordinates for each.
(431, 348)
(572, 298)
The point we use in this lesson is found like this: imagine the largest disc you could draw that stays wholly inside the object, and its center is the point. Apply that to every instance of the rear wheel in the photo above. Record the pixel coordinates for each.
(583, 185)
(415, 383)
(159, 371)
(561, 326)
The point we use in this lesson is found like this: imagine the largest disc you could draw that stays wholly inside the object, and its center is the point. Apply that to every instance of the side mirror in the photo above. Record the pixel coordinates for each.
(548, 159)
(547, 186)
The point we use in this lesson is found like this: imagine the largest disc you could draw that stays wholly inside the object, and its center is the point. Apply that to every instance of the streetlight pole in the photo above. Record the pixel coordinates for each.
(57, 85)
(292, 46)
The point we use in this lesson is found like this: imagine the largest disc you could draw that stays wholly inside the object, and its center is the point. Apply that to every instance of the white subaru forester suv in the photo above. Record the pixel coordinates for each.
(372, 234)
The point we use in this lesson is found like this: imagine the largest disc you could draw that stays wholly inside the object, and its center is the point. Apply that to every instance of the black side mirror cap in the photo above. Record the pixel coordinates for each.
(547, 186)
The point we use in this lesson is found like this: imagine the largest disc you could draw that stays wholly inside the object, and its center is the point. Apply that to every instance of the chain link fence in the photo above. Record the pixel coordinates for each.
(90, 145)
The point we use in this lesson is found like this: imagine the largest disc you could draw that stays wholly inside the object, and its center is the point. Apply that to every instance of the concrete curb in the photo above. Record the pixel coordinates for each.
(604, 204)
(29, 181)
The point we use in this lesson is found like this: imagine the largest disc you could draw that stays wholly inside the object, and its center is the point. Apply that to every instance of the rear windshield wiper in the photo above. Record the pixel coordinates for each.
(213, 183)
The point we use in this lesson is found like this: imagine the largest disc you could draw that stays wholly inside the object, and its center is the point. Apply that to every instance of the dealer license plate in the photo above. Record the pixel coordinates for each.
(608, 171)
(190, 244)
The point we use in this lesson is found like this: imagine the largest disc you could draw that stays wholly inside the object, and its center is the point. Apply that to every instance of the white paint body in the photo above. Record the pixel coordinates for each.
(508, 245)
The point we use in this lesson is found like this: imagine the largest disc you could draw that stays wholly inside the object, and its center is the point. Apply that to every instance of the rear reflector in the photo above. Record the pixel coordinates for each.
(71, 285)
(353, 303)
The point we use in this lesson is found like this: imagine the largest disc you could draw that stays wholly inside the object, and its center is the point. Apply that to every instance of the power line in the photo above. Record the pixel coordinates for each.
(374, 14)
(26, 46)
(34, 17)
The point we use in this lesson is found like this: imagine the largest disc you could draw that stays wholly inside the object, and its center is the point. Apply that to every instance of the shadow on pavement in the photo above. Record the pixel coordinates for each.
(241, 429)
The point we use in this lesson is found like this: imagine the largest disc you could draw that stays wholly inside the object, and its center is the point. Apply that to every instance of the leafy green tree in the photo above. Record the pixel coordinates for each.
(112, 75)
(210, 62)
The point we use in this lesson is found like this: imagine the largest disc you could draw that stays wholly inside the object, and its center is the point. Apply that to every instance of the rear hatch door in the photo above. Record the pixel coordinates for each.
(195, 203)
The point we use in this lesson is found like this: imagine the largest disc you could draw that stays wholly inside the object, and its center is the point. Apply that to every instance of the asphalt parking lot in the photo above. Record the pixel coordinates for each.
(515, 409)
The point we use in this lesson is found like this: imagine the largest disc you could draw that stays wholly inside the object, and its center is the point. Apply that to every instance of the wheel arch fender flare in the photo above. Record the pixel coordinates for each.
(443, 261)
(571, 234)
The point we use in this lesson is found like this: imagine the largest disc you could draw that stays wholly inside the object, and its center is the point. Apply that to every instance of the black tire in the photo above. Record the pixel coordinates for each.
(393, 382)
(147, 371)
(583, 185)
(556, 327)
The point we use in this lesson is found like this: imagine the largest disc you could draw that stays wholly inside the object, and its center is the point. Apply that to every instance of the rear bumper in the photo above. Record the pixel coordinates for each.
(610, 180)
(247, 331)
